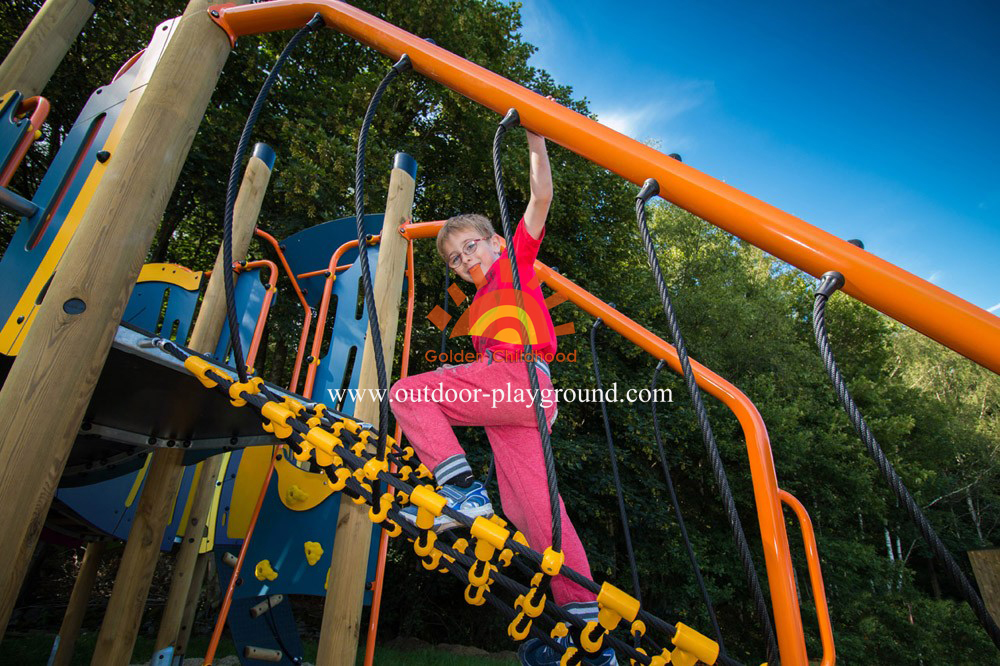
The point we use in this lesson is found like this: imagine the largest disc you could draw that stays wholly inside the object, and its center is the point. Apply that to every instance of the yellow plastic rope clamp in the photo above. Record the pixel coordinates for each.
(657, 660)
(430, 562)
(505, 557)
(384, 503)
(460, 545)
(423, 472)
(276, 417)
(198, 366)
(475, 595)
(374, 466)
(559, 630)
(490, 537)
(615, 605)
(592, 637)
(404, 472)
(314, 551)
(570, 657)
(324, 442)
(552, 561)
(638, 629)
(694, 644)
(251, 386)
(533, 601)
(424, 544)
(294, 406)
(394, 530)
(402, 497)
(408, 453)
(263, 571)
(479, 573)
(305, 450)
(429, 505)
(340, 481)
(359, 450)
(351, 425)
(519, 627)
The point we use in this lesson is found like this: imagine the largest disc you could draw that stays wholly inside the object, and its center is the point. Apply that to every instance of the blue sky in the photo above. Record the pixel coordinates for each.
(869, 119)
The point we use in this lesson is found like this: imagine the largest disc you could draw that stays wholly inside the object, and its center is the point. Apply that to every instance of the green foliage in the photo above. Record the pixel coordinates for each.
(744, 314)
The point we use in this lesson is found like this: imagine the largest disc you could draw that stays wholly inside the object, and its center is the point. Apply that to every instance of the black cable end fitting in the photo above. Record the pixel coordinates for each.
(512, 119)
(857, 242)
(316, 22)
(649, 190)
(829, 283)
(403, 64)
(430, 41)
(676, 156)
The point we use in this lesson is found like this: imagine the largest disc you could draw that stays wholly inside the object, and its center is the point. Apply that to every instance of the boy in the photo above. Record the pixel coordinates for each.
(472, 249)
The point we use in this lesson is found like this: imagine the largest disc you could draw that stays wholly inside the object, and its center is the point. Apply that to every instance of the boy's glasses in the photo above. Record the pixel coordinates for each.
(468, 249)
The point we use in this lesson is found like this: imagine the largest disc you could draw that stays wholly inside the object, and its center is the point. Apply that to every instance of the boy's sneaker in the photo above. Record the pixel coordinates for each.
(472, 502)
(533, 652)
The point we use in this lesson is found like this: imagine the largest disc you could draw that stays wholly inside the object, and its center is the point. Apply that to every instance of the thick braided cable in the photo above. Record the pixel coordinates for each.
(366, 277)
(543, 431)
(680, 517)
(941, 552)
(233, 188)
(623, 514)
(718, 470)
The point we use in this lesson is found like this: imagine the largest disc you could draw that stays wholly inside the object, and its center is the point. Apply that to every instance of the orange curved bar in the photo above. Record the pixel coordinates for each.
(324, 309)
(323, 272)
(265, 307)
(953, 322)
(302, 299)
(39, 107)
(815, 577)
(383, 542)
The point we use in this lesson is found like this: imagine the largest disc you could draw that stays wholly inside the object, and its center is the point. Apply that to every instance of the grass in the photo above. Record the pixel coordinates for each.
(33, 648)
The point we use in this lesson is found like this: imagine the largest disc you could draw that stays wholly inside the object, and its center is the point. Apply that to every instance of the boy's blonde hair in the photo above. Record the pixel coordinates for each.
(478, 223)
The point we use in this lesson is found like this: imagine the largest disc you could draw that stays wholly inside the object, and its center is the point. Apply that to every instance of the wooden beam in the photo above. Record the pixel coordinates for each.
(53, 377)
(201, 568)
(43, 45)
(77, 608)
(338, 640)
(128, 598)
(248, 203)
(986, 568)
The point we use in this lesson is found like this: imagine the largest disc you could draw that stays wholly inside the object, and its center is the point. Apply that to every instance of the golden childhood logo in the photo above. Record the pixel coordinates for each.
(504, 314)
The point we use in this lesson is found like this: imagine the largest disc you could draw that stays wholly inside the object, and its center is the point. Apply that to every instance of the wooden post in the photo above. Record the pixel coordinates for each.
(53, 377)
(248, 204)
(198, 578)
(73, 619)
(338, 640)
(986, 568)
(128, 597)
(43, 45)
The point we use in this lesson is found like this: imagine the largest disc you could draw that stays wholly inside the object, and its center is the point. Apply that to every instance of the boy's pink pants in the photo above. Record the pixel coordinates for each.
(513, 433)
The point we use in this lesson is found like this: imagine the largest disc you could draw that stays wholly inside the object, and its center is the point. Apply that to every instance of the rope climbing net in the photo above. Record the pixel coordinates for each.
(344, 450)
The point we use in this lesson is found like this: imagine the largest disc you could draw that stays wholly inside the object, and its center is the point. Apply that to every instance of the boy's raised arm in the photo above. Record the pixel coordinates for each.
(541, 186)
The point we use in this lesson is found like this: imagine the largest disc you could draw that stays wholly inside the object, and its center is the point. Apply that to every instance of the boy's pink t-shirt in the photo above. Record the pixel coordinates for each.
(494, 308)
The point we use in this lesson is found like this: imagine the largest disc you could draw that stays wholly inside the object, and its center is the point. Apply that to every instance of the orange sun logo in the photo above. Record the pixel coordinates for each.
(498, 315)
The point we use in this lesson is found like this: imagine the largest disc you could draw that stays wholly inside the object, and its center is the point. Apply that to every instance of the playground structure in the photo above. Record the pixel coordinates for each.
(75, 325)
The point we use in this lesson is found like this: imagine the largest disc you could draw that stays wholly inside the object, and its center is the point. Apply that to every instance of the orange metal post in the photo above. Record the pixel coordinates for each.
(969, 330)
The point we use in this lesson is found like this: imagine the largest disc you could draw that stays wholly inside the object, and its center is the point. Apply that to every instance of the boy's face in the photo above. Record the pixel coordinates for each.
(485, 252)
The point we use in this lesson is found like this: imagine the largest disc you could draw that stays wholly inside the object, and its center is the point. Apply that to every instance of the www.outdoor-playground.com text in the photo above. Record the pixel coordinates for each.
(496, 396)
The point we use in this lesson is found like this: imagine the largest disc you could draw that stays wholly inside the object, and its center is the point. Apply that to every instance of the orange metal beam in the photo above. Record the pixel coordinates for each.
(969, 330)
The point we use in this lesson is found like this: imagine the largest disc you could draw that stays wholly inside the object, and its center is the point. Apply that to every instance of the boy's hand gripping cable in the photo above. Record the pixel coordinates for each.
(830, 283)
(650, 189)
